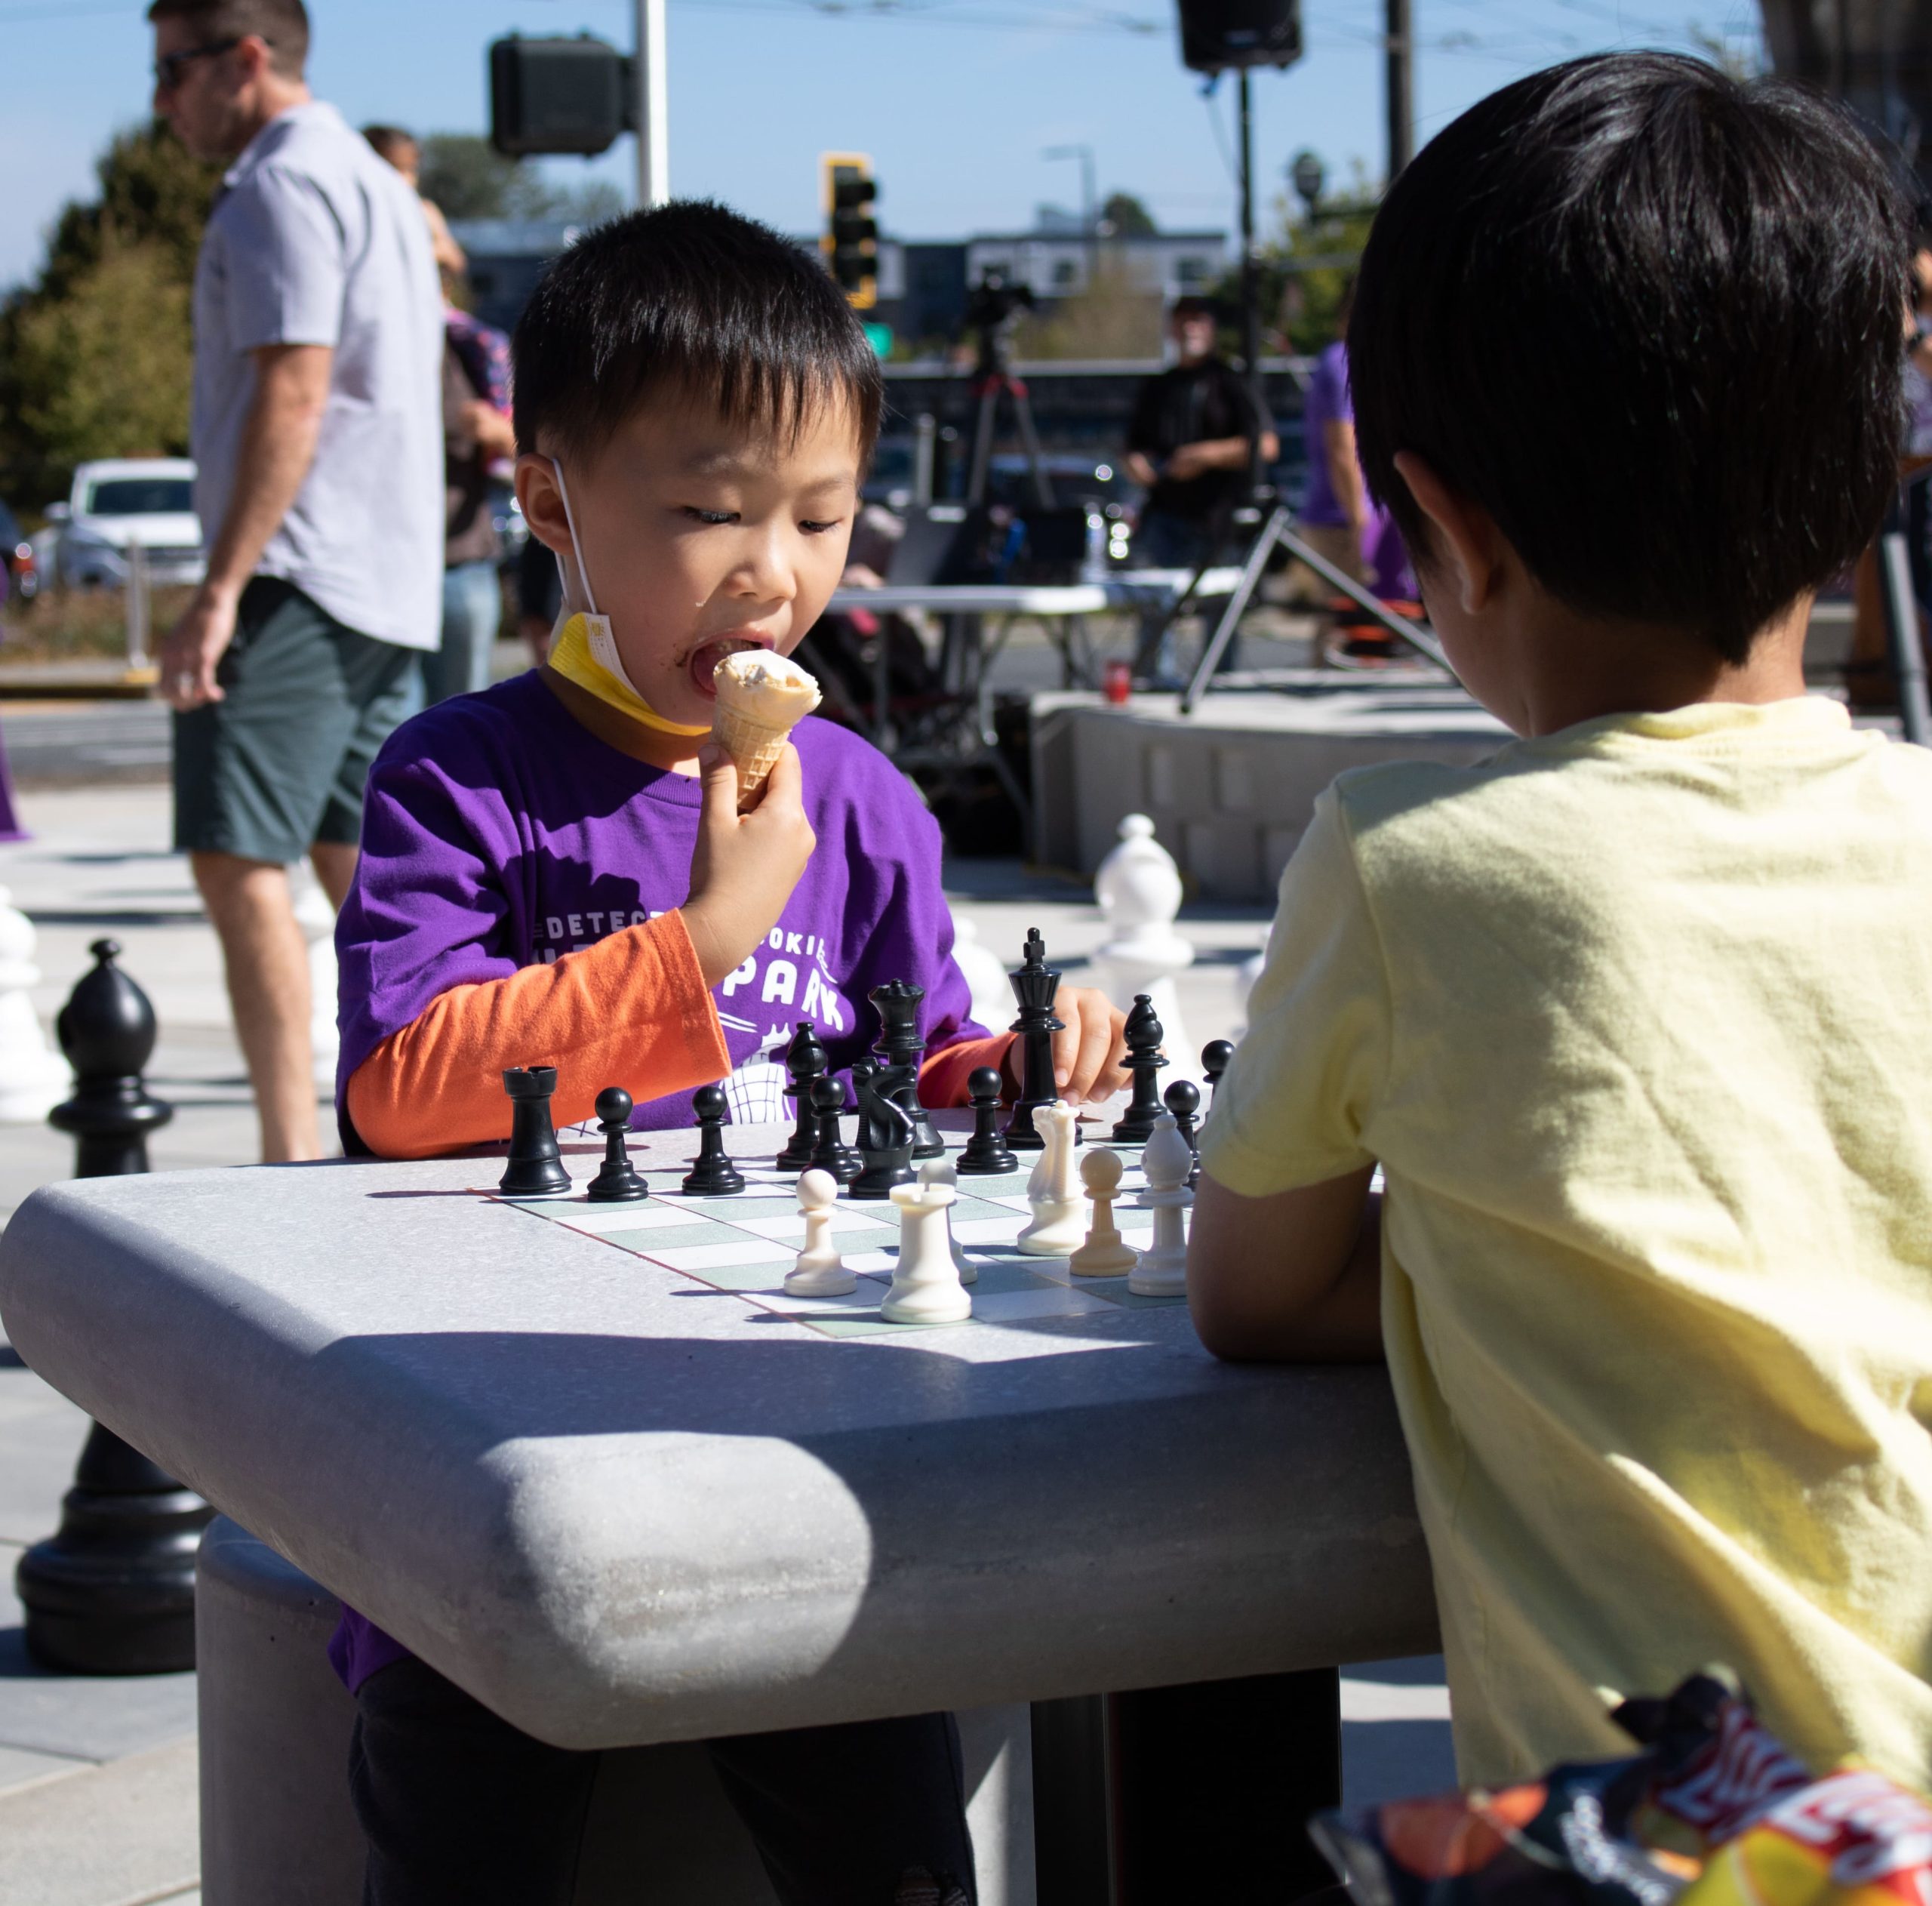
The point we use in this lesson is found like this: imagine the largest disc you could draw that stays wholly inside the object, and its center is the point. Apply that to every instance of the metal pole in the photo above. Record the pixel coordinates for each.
(1401, 102)
(653, 138)
(1090, 215)
(137, 604)
(1251, 262)
(925, 438)
(1902, 625)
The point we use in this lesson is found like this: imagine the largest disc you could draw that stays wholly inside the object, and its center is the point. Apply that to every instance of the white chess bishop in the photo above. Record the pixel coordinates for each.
(820, 1271)
(1162, 1270)
(1139, 889)
(925, 1284)
(1059, 1222)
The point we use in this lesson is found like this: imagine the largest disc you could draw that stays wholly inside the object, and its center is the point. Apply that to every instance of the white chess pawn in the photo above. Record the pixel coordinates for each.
(925, 1287)
(1106, 1253)
(1162, 1270)
(33, 1080)
(820, 1271)
(1138, 887)
(1058, 1220)
(940, 1170)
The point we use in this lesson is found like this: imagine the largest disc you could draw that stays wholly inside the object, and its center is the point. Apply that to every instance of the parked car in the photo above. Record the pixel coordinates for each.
(19, 574)
(118, 502)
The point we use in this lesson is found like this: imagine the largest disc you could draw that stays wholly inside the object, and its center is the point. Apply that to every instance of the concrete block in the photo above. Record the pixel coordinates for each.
(277, 1828)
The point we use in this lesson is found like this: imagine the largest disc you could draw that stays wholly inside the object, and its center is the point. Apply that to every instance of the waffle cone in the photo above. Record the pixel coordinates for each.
(754, 746)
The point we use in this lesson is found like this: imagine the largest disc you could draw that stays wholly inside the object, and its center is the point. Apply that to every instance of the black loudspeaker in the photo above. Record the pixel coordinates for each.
(1217, 34)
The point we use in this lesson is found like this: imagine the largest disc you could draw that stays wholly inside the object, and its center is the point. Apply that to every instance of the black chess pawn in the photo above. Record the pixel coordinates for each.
(1035, 983)
(902, 1045)
(1183, 1101)
(832, 1154)
(805, 1064)
(1143, 1034)
(1214, 1058)
(618, 1183)
(984, 1155)
(536, 1168)
(713, 1175)
(886, 1134)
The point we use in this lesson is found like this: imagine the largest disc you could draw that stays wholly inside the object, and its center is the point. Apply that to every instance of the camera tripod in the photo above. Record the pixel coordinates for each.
(990, 313)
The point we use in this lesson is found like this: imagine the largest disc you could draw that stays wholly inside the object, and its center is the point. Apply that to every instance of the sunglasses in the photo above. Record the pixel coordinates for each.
(169, 67)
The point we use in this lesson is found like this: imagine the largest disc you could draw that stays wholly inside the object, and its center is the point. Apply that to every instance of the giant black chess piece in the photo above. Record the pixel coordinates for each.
(113, 1591)
(1034, 983)
(885, 1136)
(713, 1175)
(535, 1167)
(1184, 1098)
(901, 1046)
(832, 1154)
(984, 1155)
(805, 1064)
(619, 1182)
(1143, 1033)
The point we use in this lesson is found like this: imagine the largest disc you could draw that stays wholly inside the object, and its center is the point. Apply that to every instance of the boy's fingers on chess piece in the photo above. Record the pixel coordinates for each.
(1089, 1049)
(743, 868)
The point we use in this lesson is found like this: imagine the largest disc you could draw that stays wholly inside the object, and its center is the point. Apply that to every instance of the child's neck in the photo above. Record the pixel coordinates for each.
(1562, 669)
(675, 754)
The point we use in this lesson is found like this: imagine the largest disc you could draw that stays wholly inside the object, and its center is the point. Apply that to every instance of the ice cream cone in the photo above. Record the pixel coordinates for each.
(761, 697)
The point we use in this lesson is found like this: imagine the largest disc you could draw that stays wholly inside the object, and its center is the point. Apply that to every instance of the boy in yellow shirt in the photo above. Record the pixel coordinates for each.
(1635, 1016)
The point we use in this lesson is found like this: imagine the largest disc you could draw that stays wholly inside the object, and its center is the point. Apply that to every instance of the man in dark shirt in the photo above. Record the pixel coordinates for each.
(1194, 431)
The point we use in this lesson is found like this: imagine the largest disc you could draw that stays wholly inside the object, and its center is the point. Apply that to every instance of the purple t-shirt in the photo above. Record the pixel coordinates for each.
(497, 832)
(1327, 402)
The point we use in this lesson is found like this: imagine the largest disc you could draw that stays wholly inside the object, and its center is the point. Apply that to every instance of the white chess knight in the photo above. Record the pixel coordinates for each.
(1162, 1270)
(1058, 1223)
(33, 1078)
(1138, 890)
(1106, 1253)
(940, 1170)
(820, 1271)
(925, 1284)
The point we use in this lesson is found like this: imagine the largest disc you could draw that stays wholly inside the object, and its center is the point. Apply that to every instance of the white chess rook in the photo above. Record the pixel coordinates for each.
(820, 1271)
(1162, 1270)
(1139, 889)
(940, 1170)
(1058, 1223)
(925, 1287)
(33, 1079)
(1106, 1253)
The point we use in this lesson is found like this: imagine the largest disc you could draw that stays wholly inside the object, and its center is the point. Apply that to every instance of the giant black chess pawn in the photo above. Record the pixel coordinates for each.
(833, 1154)
(713, 1175)
(1034, 983)
(984, 1155)
(535, 1168)
(901, 1046)
(885, 1136)
(113, 1591)
(1214, 1058)
(618, 1182)
(1143, 1033)
(1183, 1099)
(805, 1064)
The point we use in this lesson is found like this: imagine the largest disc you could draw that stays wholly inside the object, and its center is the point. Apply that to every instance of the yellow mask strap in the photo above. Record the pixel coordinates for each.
(572, 655)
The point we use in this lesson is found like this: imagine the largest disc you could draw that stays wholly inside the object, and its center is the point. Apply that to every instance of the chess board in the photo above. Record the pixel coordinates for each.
(744, 1244)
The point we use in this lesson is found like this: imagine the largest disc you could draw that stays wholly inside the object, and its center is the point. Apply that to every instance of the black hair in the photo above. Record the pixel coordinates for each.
(1191, 304)
(694, 298)
(1649, 319)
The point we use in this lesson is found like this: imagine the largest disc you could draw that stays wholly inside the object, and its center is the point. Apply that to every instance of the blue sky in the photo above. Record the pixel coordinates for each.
(953, 98)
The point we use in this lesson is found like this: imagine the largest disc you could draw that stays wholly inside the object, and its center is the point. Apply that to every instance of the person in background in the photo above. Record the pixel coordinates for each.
(1194, 432)
(318, 329)
(477, 436)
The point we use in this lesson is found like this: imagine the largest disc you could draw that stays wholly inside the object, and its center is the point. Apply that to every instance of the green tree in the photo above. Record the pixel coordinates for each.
(1112, 317)
(469, 178)
(96, 354)
(1305, 268)
(1125, 217)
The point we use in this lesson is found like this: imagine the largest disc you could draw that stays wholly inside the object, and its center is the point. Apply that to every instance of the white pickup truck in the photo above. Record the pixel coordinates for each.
(122, 501)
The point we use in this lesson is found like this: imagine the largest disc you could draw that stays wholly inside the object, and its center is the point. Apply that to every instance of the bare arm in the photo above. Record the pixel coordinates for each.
(1193, 460)
(278, 445)
(1293, 1278)
(1140, 466)
(1338, 445)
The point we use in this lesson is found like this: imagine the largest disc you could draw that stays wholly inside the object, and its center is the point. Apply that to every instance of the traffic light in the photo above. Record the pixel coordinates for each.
(851, 243)
(558, 95)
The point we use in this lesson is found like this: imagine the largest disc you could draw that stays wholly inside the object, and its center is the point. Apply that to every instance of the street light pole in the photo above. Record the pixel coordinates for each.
(1400, 77)
(1089, 212)
(654, 138)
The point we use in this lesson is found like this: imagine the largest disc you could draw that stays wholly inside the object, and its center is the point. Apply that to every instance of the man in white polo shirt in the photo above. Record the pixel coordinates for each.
(317, 431)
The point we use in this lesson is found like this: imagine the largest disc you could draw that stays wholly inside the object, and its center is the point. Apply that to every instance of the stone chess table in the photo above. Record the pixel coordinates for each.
(622, 1502)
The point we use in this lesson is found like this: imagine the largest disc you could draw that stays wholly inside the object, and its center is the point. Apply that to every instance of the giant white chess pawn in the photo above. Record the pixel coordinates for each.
(985, 973)
(1058, 1220)
(316, 916)
(820, 1271)
(1106, 1253)
(925, 1287)
(33, 1078)
(1138, 890)
(1162, 1270)
(941, 1170)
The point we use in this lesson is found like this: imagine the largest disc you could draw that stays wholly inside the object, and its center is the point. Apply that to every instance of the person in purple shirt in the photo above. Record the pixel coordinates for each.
(555, 870)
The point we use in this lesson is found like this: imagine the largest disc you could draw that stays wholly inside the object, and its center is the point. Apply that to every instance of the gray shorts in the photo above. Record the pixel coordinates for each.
(279, 763)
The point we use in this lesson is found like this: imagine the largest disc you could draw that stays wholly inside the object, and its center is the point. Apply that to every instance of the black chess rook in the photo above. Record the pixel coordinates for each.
(985, 1155)
(713, 1175)
(901, 1045)
(618, 1182)
(805, 1064)
(1035, 983)
(535, 1168)
(1143, 1033)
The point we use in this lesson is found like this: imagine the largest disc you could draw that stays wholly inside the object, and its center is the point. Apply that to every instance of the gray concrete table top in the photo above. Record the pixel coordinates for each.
(619, 1507)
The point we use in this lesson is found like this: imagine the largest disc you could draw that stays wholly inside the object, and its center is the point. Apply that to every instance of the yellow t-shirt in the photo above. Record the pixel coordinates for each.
(1638, 1018)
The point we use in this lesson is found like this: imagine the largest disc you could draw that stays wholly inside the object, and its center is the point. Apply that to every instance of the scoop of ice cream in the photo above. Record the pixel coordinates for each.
(757, 685)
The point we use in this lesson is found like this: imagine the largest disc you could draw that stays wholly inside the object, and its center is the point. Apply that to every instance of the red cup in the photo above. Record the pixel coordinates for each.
(1116, 682)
